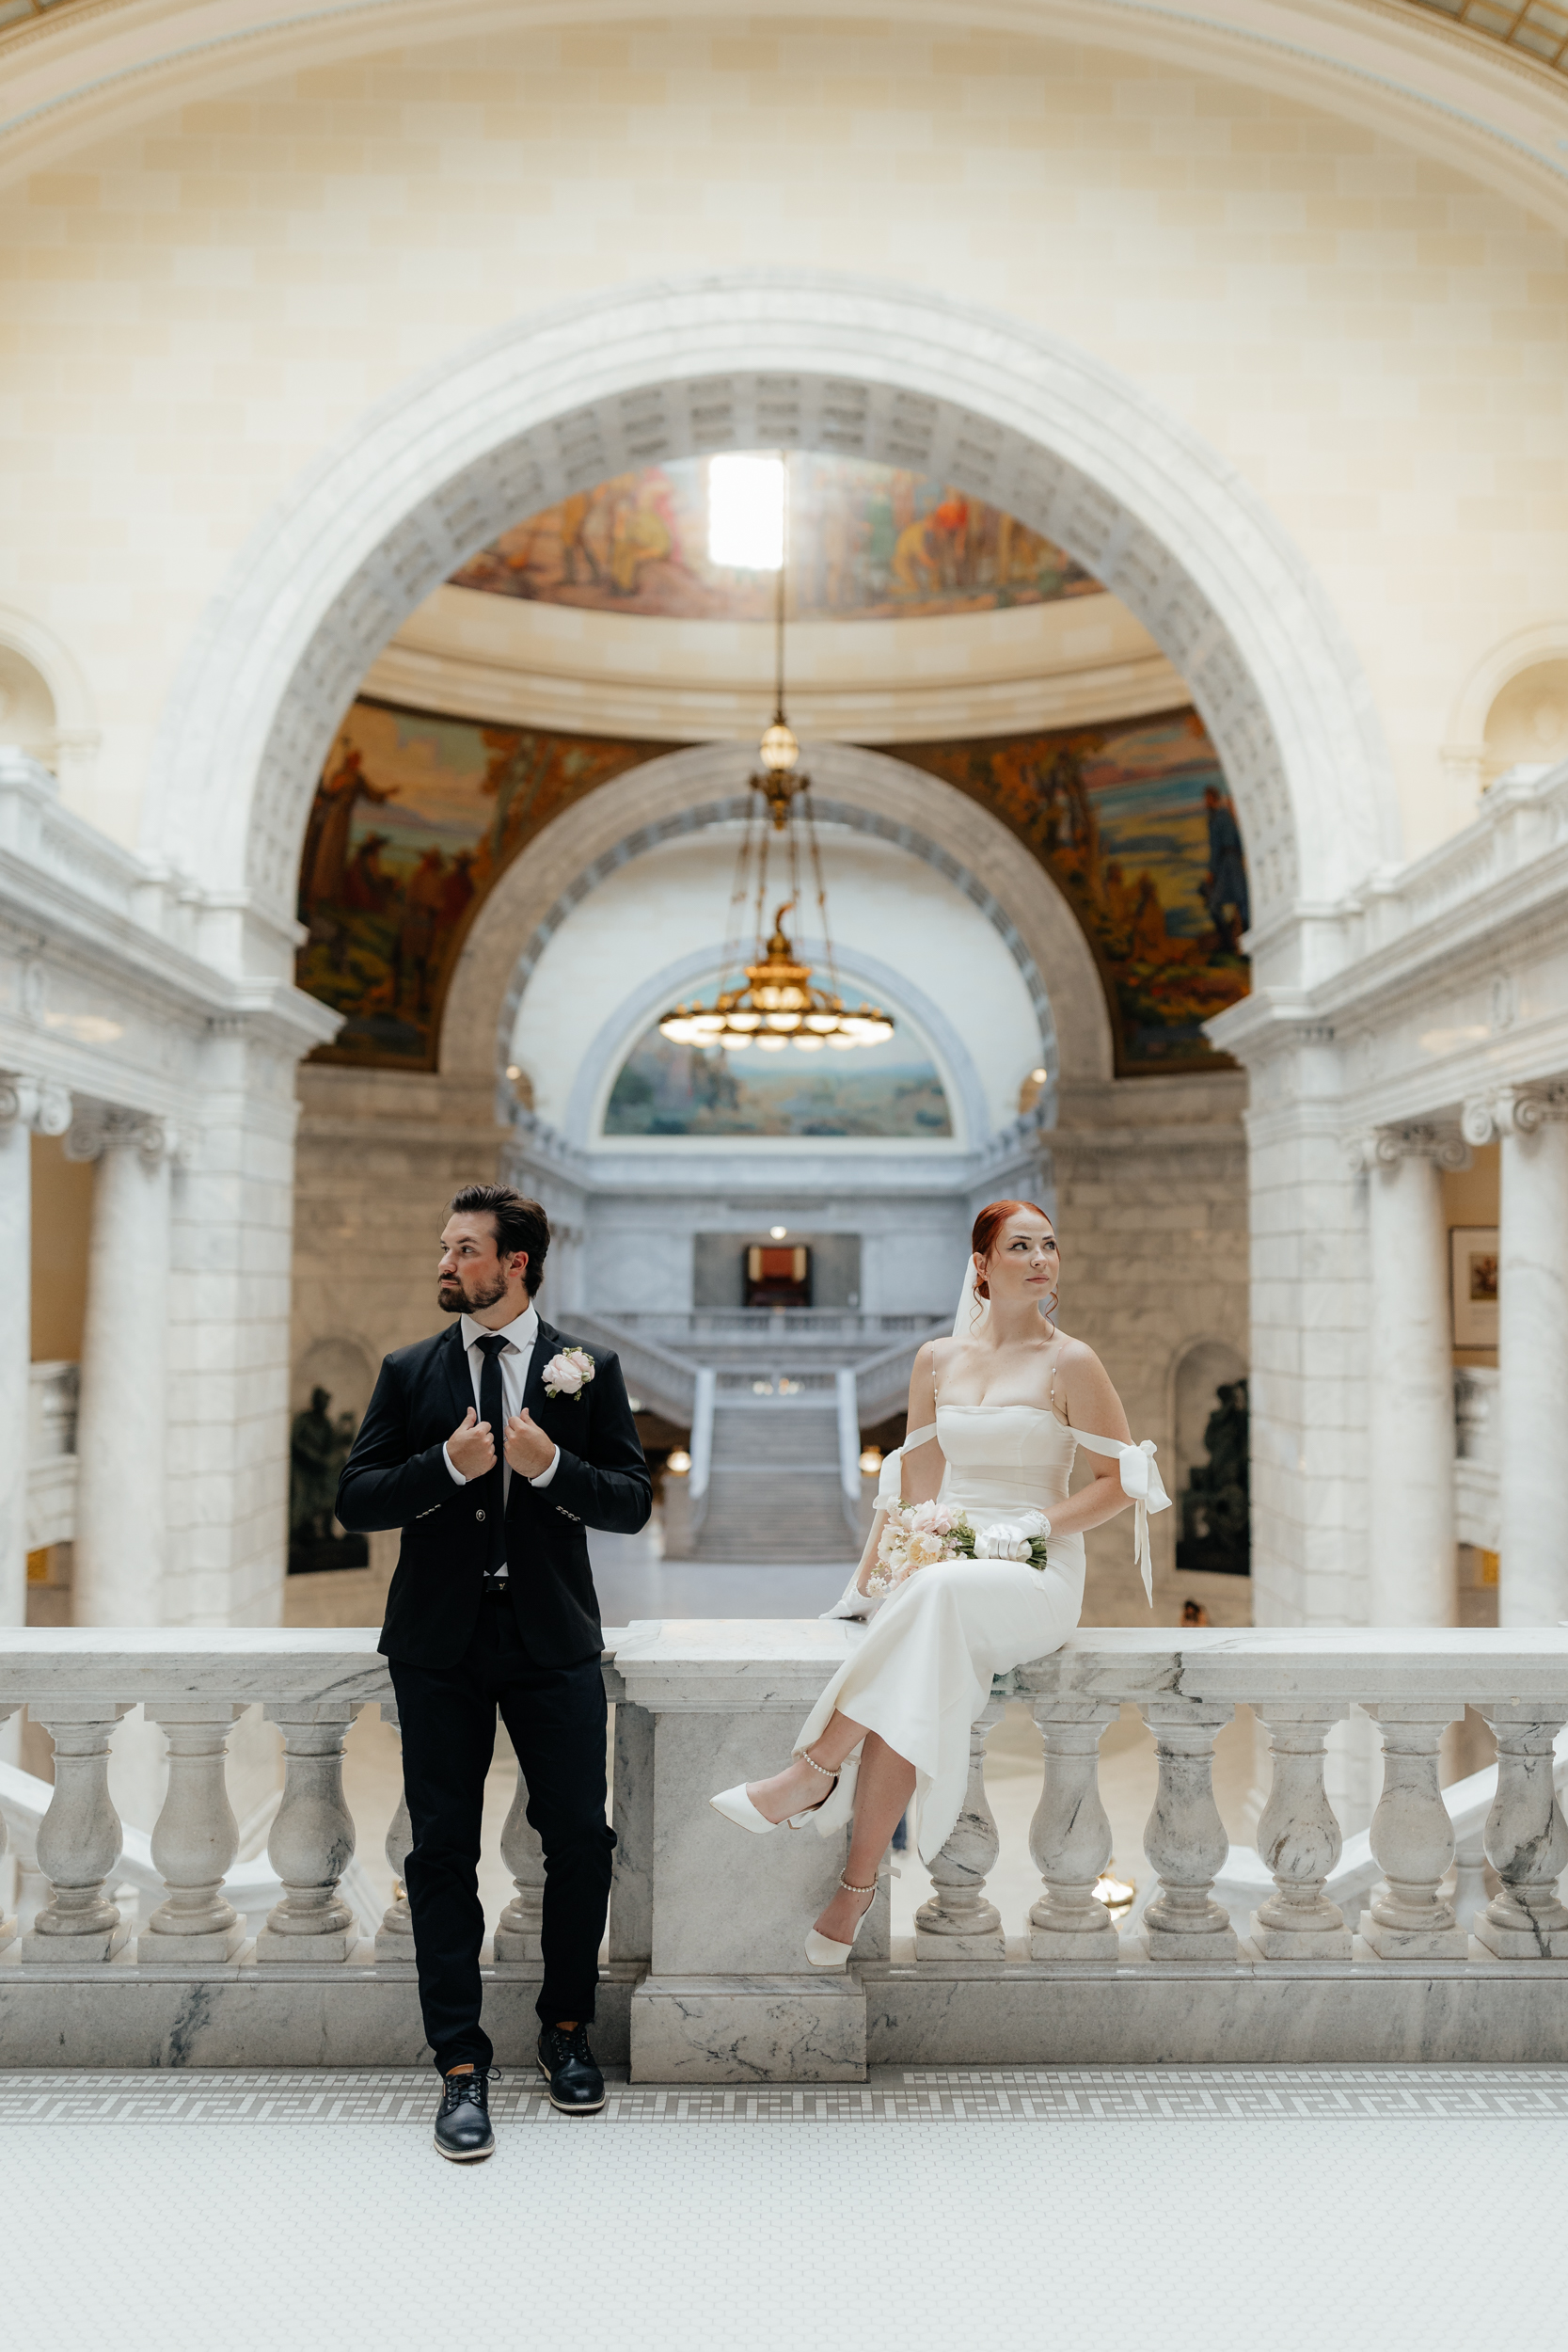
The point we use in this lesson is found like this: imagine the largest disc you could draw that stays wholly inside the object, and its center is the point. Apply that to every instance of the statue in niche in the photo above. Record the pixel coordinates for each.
(318, 1448)
(1215, 1510)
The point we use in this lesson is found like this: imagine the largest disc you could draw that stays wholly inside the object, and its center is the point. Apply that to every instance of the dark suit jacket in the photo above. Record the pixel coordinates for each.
(395, 1477)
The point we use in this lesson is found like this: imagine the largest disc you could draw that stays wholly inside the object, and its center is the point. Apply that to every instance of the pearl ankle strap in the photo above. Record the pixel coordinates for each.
(858, 1890)
(816, 1767)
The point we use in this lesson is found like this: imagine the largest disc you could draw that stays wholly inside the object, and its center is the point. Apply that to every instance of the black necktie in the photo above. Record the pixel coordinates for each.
(490, 1490)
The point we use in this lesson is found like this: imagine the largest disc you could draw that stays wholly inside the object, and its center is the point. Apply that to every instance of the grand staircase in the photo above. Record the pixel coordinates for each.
(774, 1486)
(775, 1402)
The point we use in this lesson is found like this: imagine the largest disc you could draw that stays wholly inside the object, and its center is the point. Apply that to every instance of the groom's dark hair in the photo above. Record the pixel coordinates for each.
(520, 1224)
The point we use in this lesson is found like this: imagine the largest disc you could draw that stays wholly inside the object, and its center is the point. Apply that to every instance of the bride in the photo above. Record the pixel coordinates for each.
(996, 1415)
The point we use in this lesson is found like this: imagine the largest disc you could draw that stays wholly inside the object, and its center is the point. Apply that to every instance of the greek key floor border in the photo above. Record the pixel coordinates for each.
(894, 2095)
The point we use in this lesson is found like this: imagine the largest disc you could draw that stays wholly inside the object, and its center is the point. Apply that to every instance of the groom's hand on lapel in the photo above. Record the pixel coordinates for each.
(470, 1448)
(528, 1452)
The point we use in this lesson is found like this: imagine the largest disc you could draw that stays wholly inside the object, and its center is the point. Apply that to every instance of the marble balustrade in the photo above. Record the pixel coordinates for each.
(704, 1977)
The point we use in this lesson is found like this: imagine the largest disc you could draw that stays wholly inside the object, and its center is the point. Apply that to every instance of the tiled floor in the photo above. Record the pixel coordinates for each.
(1201, 2209)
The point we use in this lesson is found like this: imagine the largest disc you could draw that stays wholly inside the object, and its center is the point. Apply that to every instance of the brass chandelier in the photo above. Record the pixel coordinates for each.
(780, 1004)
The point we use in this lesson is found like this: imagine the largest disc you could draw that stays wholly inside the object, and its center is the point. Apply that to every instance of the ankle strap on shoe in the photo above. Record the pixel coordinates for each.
(806, 1757)
(858, 1890)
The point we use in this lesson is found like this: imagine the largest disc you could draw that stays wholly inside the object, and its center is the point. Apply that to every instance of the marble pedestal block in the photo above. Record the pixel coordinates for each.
(335, 1944)
(1413, 1943)
(748, 2029)
(1299, 1942)
(1520, 1943)
(215, 1944)
(58, 1951)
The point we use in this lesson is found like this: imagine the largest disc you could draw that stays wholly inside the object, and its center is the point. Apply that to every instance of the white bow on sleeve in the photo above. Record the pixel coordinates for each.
(1141, 1481)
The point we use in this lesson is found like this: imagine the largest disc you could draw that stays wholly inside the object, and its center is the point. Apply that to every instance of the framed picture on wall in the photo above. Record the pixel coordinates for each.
(1474, 1262)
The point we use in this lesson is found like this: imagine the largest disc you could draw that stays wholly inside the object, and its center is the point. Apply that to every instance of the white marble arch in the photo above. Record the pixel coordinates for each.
(860, 974)
(920, 812)
(739, 359)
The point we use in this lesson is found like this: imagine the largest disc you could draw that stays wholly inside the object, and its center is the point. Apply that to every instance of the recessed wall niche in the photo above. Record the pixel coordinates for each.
(718, 1266)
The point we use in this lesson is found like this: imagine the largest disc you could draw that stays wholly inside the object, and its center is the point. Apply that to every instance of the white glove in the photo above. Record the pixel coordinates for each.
(1010, 1539)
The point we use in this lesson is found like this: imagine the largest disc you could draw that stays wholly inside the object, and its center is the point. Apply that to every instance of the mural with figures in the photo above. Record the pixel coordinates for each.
(891, 1090)
(414, 818)
(866, 543)
(1133, 822)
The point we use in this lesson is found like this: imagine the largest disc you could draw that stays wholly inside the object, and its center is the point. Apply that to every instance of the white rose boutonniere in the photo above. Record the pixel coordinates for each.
(568, 1374)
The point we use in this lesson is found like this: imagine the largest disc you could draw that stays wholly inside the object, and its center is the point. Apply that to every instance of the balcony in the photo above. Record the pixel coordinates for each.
(1438, 1934)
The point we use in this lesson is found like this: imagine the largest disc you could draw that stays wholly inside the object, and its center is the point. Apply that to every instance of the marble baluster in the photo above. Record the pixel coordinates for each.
(1411, 1839)
(195, 1840)
(8, 1922)
(78, 1840)
(518, 1926)
(1526, 1843)
(956, 1922)
(394, 1937)
(313, 1839)
(1299, 1839)
(1185, 1839)
(1070, 1837)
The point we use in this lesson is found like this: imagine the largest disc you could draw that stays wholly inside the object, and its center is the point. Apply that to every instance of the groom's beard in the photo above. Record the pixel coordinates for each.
(455, 1300)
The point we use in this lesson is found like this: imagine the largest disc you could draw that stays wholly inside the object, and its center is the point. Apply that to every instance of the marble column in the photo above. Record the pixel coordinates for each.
(27, 1105)
(1532, 1349)
(1412, 1569)
(120, 1421)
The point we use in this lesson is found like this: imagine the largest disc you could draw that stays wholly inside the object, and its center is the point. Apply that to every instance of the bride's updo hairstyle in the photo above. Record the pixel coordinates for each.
(990, 1222)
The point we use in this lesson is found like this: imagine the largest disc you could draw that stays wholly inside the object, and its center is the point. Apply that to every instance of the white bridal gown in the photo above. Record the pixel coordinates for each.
(924, 1671)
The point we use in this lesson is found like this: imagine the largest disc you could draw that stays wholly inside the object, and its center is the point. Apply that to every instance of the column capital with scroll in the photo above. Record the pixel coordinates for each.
(100, 1127)
(40, 1104)
(1514, 1110)
(1409, 1139)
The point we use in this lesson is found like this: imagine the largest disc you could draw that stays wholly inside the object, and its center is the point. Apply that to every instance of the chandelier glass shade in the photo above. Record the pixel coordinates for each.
(781, 1005)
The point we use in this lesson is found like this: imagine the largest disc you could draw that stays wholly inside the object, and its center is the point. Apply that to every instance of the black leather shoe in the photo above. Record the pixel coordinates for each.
(577, 2085)
(463, 2130)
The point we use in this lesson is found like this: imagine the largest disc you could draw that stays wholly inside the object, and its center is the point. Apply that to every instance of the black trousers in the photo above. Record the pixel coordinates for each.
(556, 1717)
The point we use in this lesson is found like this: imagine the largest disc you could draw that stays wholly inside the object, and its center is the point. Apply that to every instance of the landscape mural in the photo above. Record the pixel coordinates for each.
(417, 814)
(866, 543)
(1133, 821)
(414, 818)
(887, 1089)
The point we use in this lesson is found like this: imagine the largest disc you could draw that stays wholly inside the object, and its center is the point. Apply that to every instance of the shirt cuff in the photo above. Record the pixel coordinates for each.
(453, 1467)
(546, 1475)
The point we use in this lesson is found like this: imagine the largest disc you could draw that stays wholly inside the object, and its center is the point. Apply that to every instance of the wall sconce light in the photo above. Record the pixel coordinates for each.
(679, 1463)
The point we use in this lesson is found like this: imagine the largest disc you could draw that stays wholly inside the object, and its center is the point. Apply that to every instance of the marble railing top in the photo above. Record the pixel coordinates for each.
(716, 1662)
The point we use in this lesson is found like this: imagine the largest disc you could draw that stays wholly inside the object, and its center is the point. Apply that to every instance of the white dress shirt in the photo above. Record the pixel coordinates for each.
(515, 1359)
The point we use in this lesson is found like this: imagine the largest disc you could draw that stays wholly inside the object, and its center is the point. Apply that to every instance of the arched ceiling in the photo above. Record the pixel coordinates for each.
(1477, 82)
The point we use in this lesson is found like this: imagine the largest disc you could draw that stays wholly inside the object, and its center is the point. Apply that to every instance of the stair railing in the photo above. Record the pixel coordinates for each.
(850, 1448)
(700, 1477)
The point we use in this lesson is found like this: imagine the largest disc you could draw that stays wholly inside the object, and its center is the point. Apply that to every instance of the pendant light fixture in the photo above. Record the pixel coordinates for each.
(781, 1005)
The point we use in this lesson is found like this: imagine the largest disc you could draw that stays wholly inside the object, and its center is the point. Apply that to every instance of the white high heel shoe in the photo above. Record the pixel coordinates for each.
(736, 1806)
(821, 1950)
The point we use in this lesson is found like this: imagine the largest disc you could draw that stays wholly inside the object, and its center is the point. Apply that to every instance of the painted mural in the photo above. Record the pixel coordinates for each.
(867, 542)
(891, 1090)
(414, 818)
(1135, 823)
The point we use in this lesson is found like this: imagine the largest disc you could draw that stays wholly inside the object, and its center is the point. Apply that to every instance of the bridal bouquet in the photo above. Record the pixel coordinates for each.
(918, 1534)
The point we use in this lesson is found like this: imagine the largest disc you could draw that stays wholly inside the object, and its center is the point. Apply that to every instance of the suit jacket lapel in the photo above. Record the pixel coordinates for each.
(546, 1343)
(454, 1367)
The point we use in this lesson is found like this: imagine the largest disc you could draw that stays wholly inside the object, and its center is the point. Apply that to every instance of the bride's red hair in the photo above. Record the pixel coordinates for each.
(990, 1223)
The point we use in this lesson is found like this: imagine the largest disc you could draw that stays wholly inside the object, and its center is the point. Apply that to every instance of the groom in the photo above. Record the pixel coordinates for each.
(492, 1446)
